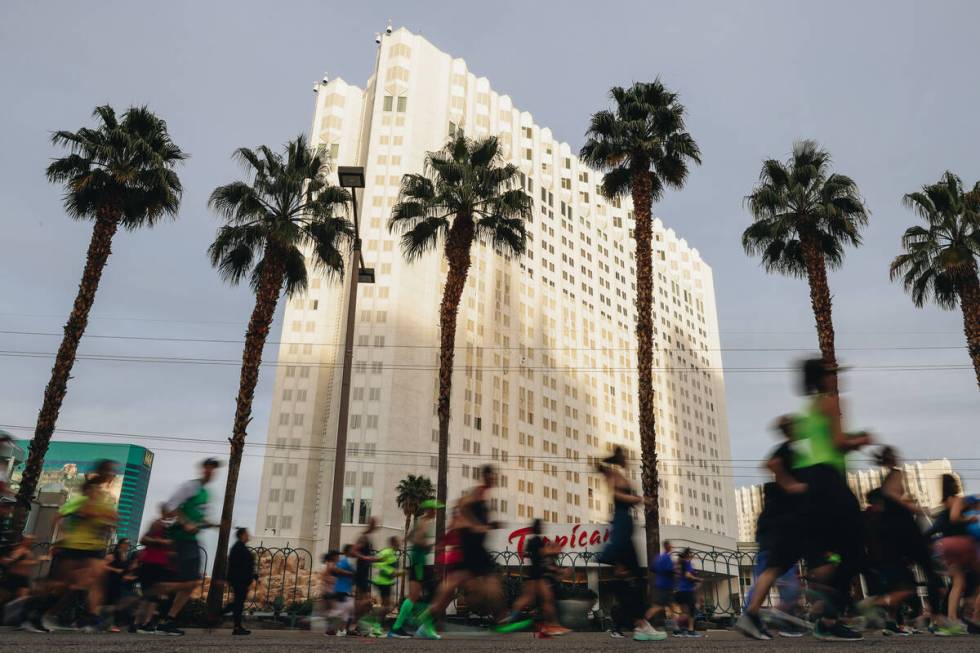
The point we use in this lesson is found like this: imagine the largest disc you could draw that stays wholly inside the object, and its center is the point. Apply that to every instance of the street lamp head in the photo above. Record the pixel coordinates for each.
(351, 176)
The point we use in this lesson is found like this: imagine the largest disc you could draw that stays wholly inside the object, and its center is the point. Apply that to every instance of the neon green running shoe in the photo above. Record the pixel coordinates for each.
(427, 631)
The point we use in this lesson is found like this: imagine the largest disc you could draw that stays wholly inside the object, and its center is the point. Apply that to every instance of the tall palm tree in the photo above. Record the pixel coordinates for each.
(804, 215)
(465, 193)
(411, 491)
(940, 260)
(121, 173)
(643, 148)
(282, 222)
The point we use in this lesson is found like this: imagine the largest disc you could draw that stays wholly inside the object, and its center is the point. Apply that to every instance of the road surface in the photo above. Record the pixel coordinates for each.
(273, 641)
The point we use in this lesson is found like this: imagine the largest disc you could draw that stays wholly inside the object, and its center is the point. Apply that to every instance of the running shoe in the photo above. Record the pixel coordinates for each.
(615, 633)
(952, 629)
(33, 626)
(693, 634)
(893, 629)
(49, 624)
(146, 629)
(647, 633)
(401, 633)
(376, 631)
(972, 627)
(792, 634)
(241, 631)
(775, 616)
(557, 631)
(427, 631)
(169, 628)
(836, 632)
(513, 626)
(751, 625)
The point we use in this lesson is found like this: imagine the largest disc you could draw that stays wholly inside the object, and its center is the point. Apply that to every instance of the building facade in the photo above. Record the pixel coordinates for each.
(922, 484)
(544, 378)
(67, 463)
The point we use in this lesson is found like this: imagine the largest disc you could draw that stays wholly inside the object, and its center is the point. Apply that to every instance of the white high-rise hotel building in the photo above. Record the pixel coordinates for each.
(545, 365)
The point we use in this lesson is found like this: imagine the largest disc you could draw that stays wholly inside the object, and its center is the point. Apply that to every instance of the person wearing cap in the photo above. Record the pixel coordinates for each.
(421, 580)
(189, 509)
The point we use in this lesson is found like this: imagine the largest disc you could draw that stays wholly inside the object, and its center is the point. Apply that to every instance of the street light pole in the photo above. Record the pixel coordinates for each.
(352, 178)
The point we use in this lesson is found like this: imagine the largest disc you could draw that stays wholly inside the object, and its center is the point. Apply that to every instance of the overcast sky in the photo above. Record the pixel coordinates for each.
(890, 88)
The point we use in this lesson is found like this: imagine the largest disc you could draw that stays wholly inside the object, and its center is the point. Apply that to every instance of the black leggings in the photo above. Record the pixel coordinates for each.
(240, 592)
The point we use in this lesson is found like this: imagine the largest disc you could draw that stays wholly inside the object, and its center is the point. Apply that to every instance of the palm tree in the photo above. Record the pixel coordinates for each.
(940, 260)
(411, 492)
(277, 225)
(643, 149)
(804, 215)
(464, 194)
(120, 173)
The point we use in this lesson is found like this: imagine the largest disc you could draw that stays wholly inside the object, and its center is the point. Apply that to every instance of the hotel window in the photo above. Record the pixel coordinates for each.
(402, 104)
(527, 132)
(528, 154)
(292, 469)
(298, 419)
(286, 522)
(566, 183)
(374, 394)
(364, 514)
(277, 469)
(372, 421)
(283, 419)
(289, 496)
(274, 494)
(387, 103)
(270, 522)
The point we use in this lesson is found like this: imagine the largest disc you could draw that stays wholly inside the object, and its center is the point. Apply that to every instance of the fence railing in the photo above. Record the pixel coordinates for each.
(287, 578)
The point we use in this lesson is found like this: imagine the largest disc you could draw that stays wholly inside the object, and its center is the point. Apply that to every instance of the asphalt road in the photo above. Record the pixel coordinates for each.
(269, 641)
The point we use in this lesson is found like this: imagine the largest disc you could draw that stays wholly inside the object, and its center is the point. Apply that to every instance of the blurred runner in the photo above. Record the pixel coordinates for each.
(476, 569)
(421, 580)
(537, 587)
(779, 534)
(77, 568)
(687, 583)
(831, 515)
(189, 508)
(153, 570)
(620, 552)
(363, 552)
(958, 551)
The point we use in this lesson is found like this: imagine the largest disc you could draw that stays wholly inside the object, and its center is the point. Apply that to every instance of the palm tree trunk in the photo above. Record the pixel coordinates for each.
(99, 248)
(816, 273)
(642, 233)
(266, 298)
(969, 291)
(458, 255)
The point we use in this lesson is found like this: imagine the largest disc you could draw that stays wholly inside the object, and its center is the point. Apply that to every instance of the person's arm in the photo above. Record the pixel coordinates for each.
(956, 515)
(361, 554)
(784, 479)
(830, 406)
